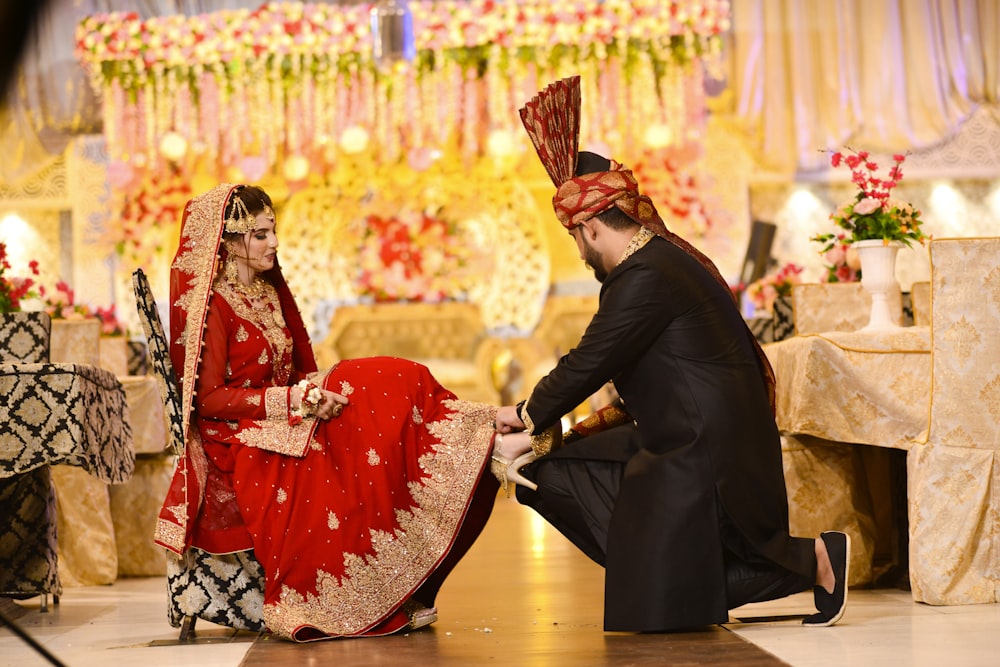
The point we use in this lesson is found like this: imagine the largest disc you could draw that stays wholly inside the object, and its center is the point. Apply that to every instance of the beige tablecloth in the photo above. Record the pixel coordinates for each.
(835, 391)
(145, 406)
(107, 531)
(871, 388)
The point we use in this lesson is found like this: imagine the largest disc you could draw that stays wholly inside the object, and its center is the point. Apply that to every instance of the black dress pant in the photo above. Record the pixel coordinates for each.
(577, 496)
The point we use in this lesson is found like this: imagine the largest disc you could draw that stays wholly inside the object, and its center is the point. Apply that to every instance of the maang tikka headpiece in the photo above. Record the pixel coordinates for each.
(240, 221)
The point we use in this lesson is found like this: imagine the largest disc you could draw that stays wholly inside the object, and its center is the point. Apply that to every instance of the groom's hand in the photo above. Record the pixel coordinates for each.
(507, 420)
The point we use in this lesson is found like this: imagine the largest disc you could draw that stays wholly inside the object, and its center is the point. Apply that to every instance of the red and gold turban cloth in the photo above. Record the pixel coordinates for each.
(582, 197)
(552, 120)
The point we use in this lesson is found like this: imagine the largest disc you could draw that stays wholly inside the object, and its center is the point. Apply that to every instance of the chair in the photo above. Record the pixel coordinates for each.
(920, 298)
(448, 338)
(28, 550)
(224, 589)
(953, 475)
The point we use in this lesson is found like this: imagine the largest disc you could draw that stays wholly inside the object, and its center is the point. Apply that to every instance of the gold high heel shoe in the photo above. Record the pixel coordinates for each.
(509, 470)
(420, 616)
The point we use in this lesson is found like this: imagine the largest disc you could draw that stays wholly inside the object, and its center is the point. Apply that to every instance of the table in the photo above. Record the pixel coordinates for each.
(64, 413)
(56, 413)
(834, 391)
(870, 388)
(146, 414)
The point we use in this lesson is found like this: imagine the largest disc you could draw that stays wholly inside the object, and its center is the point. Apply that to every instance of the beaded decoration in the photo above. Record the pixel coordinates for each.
(240, 221)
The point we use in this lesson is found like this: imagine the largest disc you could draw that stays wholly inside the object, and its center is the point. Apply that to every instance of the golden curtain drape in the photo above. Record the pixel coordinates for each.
(887, 75)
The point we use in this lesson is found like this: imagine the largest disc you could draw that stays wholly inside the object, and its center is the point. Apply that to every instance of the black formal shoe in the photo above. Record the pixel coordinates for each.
(831, 606)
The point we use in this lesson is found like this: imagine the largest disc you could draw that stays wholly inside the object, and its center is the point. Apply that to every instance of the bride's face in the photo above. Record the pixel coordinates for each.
(257, 250)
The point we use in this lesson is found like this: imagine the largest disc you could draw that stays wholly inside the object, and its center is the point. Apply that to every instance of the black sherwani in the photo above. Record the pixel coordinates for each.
(704, 444)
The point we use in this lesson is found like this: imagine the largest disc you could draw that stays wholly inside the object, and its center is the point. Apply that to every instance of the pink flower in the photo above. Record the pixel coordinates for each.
(836, 255)
(867, 205)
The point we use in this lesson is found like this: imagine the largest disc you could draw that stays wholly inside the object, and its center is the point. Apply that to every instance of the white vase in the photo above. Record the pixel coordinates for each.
(878, 277)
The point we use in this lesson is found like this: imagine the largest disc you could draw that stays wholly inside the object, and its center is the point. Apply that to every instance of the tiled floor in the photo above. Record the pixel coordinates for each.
(521, 597)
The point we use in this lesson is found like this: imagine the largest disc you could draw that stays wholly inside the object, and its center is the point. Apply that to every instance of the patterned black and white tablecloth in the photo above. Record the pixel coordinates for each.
(64, 413)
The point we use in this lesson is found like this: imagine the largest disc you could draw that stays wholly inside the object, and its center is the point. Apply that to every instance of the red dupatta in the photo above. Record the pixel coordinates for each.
(200, 254)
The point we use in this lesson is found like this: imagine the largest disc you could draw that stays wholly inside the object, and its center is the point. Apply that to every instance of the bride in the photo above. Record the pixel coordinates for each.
(358, 487)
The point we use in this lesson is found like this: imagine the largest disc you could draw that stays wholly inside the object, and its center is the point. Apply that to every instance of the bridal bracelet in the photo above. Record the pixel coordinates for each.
(311, 398)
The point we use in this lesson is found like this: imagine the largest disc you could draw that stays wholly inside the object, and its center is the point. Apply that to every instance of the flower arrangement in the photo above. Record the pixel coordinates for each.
(155, 203)
(295, 28)
(765, 291)
(677, 191)
(842, 264)
(61, 304)
(873, 214)
(293, 88)
(412, 256)
(291, 80)
(13, 289)
(110, 324)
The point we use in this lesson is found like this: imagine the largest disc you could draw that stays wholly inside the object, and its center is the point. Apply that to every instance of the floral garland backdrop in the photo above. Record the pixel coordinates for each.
(285, 93)
(292, 83)
(414, 256)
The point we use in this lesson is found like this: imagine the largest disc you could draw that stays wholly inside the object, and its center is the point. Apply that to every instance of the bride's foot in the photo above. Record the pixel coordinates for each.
(420, 616)
(511, 452)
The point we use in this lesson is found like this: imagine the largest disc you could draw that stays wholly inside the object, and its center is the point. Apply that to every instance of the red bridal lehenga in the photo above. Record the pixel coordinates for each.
(348, 517)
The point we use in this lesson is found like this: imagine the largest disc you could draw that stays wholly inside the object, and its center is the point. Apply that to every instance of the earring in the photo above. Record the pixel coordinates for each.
(231, 271)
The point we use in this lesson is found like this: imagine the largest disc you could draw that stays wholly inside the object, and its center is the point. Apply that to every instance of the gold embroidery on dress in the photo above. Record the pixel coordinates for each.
(169, 534)
(417, 417)
(263, 358)
(641, 238)
(332, 522)
(241, 334)
(373, 459)
(253, 399)
(211, 431)
(179, 512)
(278, 436)
(247, 383)
(385, 575)
(278, 337)
(345, 388)
(276, 402)
(282, 496)
(529, 424)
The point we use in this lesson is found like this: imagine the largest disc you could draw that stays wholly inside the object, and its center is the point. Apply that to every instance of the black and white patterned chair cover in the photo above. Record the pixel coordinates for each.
(137, 359)
(223, 589)
(784, 318)
(28, 547)
(24, 338)
(29, 564)
(159, 354)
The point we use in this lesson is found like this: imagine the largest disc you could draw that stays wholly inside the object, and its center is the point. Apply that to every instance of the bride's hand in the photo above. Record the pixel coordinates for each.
(331, 405)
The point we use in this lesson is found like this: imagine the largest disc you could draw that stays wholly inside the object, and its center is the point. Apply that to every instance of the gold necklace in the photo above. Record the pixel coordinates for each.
(256, 291)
